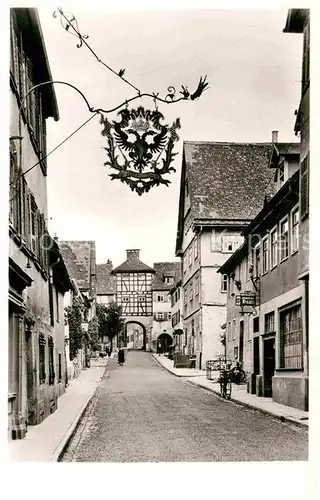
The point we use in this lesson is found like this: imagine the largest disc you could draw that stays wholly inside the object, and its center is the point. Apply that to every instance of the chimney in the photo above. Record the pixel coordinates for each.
(133, 253)
(275, 136)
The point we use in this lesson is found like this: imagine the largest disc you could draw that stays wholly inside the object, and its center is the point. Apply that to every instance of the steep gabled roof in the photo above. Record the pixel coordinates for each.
(80, 260)
(163, 270)
(133, 264)
(106, 281)
(226, 181)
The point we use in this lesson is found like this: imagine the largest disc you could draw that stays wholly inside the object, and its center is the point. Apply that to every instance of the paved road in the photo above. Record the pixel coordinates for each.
(142, 413)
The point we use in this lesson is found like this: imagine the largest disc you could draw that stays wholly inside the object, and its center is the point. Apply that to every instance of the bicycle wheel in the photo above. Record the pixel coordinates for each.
(227, 389)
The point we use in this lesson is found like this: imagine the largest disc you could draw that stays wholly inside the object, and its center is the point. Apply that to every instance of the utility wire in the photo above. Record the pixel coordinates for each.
(50, 152)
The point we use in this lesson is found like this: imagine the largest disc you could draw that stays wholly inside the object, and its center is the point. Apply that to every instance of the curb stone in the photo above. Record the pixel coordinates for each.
(282, 418)
(61, 448)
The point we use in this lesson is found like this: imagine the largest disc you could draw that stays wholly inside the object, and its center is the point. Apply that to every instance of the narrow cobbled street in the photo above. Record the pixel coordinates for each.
(142, 413)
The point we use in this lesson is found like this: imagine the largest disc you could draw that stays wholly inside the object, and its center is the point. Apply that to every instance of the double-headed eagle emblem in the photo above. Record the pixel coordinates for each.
(145, 145)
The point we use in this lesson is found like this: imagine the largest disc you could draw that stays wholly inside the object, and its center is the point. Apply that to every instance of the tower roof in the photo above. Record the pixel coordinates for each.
(133, 264)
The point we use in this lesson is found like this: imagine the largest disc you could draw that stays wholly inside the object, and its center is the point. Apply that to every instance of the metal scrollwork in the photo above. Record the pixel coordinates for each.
(171, 93)
(67, 21)
(146, 147)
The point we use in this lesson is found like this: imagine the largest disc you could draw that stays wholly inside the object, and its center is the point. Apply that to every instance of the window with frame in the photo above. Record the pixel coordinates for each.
(160, 297)
(160, 316)
(196, 286)
(274, 247)
(195, 248)
(304, 187)
(269, 326)
(125, 299)
(190, 256)
(265, 255)
(295, 230)
(257, 260)
(51, 360)
(291, 338)
(59, 368)
(231, 242)
(168, 279)
(190, 292)
(224, 282)
(42, 359)
(284, 239)
(15, 189)
(24, 75)
(256, 325)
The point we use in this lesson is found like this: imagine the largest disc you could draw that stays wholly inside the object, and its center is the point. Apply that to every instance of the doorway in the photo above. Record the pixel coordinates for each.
(256, 356)
(164, 342)
(268, 365)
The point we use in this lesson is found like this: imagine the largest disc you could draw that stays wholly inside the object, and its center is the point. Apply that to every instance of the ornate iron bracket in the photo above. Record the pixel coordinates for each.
(69, 23)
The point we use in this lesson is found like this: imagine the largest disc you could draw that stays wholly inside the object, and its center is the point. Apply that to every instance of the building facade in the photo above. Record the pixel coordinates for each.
(134, 295)
(165, 276)
(34, 348)
(216, 203)
(179, 340)
(298, 21)
(268, 337)
(106, 283)
(80, 260)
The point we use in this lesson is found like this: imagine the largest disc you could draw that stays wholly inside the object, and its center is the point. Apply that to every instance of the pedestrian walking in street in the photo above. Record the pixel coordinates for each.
(121, 357)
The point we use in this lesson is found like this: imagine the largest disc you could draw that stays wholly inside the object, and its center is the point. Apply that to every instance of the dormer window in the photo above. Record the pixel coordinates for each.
(168, 280)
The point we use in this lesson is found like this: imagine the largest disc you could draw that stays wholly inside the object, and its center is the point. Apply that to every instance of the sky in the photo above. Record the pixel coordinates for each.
(254, 72)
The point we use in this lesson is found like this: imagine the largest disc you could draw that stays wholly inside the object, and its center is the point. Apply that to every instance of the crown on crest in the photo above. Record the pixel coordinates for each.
(140, 125)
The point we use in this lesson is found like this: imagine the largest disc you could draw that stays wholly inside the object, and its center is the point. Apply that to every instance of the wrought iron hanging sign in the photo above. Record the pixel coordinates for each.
(145, 145)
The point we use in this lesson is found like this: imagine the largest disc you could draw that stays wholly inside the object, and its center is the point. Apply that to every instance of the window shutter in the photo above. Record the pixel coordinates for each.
(304, 187)
(15, 57)
(165, 316)
(27, 225)
(215, 241)
(38, 238)
(33, 224)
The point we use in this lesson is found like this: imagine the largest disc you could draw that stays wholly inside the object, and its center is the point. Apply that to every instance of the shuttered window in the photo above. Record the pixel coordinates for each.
(304, 186)
(33, 224)
(15, 189)
(42, 359)
(51, 360)
(306, 59)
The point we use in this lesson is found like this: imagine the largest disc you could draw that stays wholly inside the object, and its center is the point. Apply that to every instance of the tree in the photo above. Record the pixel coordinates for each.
(93, 333)
(73, 316)
(110, 320)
